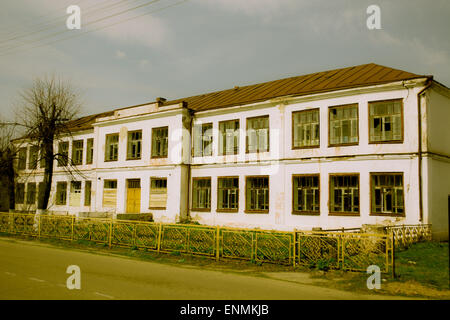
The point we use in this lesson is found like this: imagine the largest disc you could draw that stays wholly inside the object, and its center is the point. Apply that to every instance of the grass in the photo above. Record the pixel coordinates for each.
(426, 263)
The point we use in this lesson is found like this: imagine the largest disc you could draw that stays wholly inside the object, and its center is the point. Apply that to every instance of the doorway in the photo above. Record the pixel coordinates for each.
(133, 196)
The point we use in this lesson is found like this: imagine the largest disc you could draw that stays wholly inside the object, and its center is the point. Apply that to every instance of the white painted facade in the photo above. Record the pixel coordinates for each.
(280, 163)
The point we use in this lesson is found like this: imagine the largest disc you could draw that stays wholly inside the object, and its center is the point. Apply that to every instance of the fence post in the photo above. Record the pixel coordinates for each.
(217, 243)
(293, 249)
(110, 232)
(159, 236)
(73, 221)
(393, 254)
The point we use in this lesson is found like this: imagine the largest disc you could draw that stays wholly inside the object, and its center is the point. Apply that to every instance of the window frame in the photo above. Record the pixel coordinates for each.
(28, 201)
(309, 212)
(106, 146)
(218, 191)
(17, 193)
(87, 195)
(194, 143)
(193, 208)
(220, 142)
(268, 135)
(22, 159)
(257, 211)
(293, 147)
(329, 125)
(138, 145)
(30, 158)
(75, 150)
(372, 213)
(61, 162)
(345, 213)
(57, 202)
(153, 143)
(89, 150)
(150, 193)
(401, 121)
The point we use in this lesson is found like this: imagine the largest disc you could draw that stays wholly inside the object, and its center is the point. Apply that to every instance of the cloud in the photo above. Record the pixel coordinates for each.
(120, 54)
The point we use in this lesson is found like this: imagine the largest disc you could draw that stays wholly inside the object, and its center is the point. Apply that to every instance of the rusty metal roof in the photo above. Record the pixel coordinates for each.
(345, 78)
(325, 81)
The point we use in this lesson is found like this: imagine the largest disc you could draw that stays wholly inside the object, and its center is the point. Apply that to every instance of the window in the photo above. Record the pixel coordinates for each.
(33, 157)
(75, 193)
(203, 140)
(257, 194)
(77, 152)
(344, 194)
(201, 194)
(110, 193)
(160, 141)
(134, 145)
(20, 193)
(61, 193)
(258, 134)
(306, 194)
(343, 125)
(42, 156)
(385, 121)
(387, 194)
(90, 151)
(87, 193)
(31, 193)
(40, 194)
(228, 194)
(112, 147)
(63, 153)
(305, 129)
(22, 159)
(158, 193)
(229, 137)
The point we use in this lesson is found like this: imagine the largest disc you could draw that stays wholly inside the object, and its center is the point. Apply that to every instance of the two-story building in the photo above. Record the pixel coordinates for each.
(342, 148)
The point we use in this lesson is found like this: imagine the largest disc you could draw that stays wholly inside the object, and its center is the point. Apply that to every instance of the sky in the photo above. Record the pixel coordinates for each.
(130, 52)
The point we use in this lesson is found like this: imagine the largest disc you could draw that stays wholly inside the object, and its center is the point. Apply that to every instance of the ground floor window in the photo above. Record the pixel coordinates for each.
(257, 194)
(201, 194)
(20, 193)
(227, 193)
(158, 193)
(344, 194)
(87, 193)
(31, 193)
(61, 193)
(306, 194)
(110, 193)
(387, 193)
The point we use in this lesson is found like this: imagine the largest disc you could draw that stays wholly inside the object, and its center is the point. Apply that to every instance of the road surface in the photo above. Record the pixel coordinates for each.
(32, 270)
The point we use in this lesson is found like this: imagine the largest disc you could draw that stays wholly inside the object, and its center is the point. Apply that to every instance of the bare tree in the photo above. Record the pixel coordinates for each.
(8, 152)
(45, 110)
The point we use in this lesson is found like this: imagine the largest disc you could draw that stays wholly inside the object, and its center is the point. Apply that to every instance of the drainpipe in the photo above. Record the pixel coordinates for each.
(189, 152)
(419, 114)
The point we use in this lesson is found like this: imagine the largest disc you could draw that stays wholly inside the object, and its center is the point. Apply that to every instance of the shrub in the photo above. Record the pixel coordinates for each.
(136, 216)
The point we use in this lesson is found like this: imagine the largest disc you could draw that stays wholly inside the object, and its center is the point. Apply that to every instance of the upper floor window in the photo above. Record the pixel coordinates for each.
(385, 121)
(63, 153)
(203, 139)
(258, 134)
(344, 194)
(90, 151)
(343, 128)
(22, 159)
(229, 137)
(134, 145)
(160, 142)
(387, 193)
(33, 157)
(305, 129)
(77, 152)
(112, 147)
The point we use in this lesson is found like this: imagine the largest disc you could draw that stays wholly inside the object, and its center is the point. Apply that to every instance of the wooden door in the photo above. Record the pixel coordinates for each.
(133, 196)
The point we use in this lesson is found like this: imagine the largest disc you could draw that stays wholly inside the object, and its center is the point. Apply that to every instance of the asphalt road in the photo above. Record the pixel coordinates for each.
(30, 270)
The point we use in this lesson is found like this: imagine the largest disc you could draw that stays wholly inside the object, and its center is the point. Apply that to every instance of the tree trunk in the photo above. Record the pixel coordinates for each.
(48, 174)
